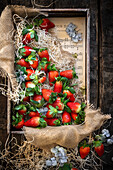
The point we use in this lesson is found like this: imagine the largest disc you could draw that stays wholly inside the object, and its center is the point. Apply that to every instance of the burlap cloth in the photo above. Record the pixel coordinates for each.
(67, 136)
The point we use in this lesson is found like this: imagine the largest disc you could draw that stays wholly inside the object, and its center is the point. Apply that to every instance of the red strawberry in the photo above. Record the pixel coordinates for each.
(21, 109)
(35, 122)
(45, 68)
(26, 99)
(39, 100)
(25, 51)
(99, 147)
(84, 151)
(34, 114)
(66, 118)
(69, 74)
(42, 79)
(52, 112)
(28, 35)
(37, 97)
(58, 86)
(43, 53)
(29, 72)
(52, 121)
(74, 169)
(18, 121)
(46, 93)
(26, 38)
(52, 75)
(46, 24)
(74, 106)
(70, 95)
(19, 125)
(23, 63)
(58, 103)
(29, 84)
(35, 63)
(74, 115)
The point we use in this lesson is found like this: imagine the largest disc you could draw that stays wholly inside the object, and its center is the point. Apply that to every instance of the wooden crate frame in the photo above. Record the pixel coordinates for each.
(79, 12)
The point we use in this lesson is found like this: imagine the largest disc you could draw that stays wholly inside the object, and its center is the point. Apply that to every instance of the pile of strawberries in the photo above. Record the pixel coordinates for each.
(33, 68)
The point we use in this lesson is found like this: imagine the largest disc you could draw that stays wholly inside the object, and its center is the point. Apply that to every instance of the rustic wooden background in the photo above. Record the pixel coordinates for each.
(101, 52)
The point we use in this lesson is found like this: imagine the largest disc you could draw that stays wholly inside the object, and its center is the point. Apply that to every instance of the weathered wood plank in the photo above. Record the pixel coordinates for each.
(106, 68)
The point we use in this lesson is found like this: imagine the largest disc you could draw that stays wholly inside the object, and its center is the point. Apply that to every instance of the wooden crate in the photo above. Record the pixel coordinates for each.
(57, 15)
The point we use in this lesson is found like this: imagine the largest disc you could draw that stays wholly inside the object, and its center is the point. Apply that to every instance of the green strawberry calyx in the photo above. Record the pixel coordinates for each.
(74, 73)
(16, 119)
(97, 143)
(42, 122)
(54, 111)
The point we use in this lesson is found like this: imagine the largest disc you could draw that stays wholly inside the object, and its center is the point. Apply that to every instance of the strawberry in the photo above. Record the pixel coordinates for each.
(29, 72)
(59, 84)
(46, 93)
(21, 109)
(84, 151)
(52, 75)
(46, 24)
(58, 103)
(38, 100)
(25, 51)
(74, 106)
(26, 99)
(74, 115)
(37, 97)
(32, 60)
(66, 118)
(34, 63)
(18, 121)
(53, 121)
(28, 35)
(29, 84)
(43, 53)
(34, 114)
(69, 74)
(42, 79)
(70, 95)
(52, 112)
(23, 63)
(35, 122)
(98, 147)
(26, 38)
(74, 169)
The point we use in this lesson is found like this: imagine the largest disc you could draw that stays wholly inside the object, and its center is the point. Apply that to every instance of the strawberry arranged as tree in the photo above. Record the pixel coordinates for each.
(49, 97)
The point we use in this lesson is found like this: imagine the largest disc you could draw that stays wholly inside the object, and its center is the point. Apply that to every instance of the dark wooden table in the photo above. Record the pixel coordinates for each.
(101, 56)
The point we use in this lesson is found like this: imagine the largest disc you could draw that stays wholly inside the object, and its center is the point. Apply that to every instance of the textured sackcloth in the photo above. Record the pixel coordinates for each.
(67, 136)
(7, 50)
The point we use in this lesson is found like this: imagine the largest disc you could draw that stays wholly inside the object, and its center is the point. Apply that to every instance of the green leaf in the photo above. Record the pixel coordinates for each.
(33, 76)
(19, 107)
(29, 26)
(25, 31)
(83, 105)
(67, 109)
(57, 122)
(66, 166)
(36, 36)
(30, 93)
(13, 117)
(32, 34)
(42, 122)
